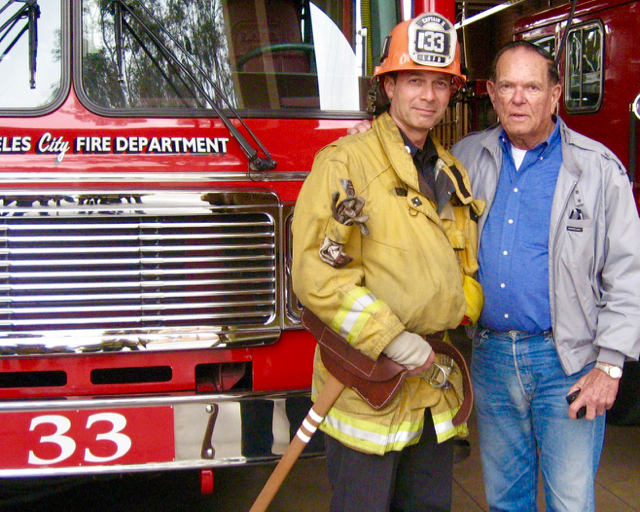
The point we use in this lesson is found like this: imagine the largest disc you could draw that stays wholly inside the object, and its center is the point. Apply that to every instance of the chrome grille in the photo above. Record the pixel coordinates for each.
(134, 269)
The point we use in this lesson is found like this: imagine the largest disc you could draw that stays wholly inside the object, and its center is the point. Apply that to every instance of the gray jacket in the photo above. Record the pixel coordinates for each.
(594, 263)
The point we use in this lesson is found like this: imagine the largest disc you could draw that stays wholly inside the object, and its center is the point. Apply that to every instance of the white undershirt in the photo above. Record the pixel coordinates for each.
(518, 155)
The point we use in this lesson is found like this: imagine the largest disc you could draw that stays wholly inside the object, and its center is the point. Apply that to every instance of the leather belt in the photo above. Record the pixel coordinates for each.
(377, 381)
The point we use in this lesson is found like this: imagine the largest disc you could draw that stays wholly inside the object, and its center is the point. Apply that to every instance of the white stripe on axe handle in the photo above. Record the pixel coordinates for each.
(316, 414)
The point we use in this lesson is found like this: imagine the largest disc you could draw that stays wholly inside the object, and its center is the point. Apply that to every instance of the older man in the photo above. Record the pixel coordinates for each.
(560, 267)
(384, 249)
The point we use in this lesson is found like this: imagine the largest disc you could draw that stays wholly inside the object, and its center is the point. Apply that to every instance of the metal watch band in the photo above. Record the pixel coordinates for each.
(615, 372)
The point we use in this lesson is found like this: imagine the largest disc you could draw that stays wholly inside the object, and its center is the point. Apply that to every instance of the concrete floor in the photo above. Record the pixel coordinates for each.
(617, 481)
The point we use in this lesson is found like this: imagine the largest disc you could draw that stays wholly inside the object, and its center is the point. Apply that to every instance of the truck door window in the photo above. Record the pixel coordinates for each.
(30, 54)
(127, 61)
(583, 68)
(284, 55)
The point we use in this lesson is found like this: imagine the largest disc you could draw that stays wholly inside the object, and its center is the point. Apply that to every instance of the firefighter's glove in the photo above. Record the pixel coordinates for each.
(348, 211)
(408, 349)
(474, 298)
(333, 253)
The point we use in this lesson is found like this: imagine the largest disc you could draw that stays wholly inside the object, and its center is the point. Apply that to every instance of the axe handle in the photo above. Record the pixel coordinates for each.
(324, 402)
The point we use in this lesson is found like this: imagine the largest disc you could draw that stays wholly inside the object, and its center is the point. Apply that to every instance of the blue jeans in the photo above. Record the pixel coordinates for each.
(520, 389)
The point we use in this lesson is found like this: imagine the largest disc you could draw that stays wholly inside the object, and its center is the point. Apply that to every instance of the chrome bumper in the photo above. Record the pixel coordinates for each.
(209, 430)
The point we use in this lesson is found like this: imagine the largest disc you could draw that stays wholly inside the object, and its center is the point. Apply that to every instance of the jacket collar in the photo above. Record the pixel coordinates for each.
(491, 141)
(395, 149)
(402, 161)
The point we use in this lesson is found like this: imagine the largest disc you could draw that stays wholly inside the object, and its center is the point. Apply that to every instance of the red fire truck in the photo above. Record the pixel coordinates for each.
(151, 153)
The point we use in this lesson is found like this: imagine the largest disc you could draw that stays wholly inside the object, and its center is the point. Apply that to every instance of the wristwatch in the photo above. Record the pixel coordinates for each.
(615, 372)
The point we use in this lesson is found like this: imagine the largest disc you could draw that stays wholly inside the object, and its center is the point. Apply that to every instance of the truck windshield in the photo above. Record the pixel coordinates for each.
(258, 54)
(30, 53)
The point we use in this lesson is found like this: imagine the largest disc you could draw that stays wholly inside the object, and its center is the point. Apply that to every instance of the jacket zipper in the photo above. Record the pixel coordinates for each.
(552, 244)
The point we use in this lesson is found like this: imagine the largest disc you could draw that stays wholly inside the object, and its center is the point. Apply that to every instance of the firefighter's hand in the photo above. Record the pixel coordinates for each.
(360, 127)
(597, 392)
(411, 351)
(427, 364)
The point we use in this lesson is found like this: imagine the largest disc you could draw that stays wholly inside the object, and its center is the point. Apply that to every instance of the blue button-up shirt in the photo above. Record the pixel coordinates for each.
(514, 248)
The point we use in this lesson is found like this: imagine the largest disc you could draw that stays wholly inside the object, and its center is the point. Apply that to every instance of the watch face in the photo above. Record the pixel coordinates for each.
(615, 372)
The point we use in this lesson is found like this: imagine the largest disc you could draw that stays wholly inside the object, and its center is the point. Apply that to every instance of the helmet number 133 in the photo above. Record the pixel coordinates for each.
(430, 41)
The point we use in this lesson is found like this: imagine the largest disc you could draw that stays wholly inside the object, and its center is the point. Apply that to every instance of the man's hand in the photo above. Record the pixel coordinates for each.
(411, 351)
(360, 127)
(597, 391)
(425, 366)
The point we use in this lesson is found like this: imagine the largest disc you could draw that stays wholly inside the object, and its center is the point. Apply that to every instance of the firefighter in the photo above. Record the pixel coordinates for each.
(384, 242)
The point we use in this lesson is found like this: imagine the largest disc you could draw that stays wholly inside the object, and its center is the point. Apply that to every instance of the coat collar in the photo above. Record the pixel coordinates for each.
(402, 162)
(491, 141)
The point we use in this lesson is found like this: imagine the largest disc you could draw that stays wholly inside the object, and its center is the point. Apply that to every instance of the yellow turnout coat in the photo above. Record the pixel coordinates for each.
(407, 273)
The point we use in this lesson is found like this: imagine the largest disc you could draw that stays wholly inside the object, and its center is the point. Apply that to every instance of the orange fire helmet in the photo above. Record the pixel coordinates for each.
(426, 43)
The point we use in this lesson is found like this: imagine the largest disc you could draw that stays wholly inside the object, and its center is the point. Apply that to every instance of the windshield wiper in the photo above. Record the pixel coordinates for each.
(256, 162)
(31, 11)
